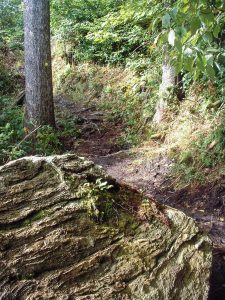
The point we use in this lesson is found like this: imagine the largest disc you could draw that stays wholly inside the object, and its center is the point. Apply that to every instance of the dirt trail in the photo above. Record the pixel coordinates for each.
(99, 142)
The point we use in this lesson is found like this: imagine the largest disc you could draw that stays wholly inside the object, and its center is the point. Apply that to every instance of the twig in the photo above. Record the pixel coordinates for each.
(130, 209)
(140, 46)
(86, 109)
(96, 126)
(116, 153)
(27, 136)
(20, 98)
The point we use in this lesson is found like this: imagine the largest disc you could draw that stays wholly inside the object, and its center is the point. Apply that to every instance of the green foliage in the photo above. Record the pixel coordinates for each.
(11, 130)
(109, 31)
(193, 32)
(212, 148)
(72, 21)
(6, 80)
(116, 31)
(14, 142)
(127, 97)
(206, 153)
(68, 126)
(47, 141)
(11, 24)
(12, 134)
(11, 76)
(105, 31)
(95, 197)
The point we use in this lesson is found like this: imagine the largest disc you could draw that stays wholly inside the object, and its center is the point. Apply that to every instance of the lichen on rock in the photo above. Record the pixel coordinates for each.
(68, 231)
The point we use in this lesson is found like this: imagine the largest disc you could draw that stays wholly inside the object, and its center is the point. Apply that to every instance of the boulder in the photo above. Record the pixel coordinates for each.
(68, 231)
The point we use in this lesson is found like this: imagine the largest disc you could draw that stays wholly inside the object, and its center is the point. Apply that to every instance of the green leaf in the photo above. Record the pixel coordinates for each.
(207, 37)
(188, 63)
(166, 21)
(201, 63)
(163, 37)
(195, 39)
(213, 50)
(207, 18)
(181, 31)
(196, 74)
(155, 23)
(209, 59)
(178, 45)
(195, 24)
(186, 7)
(174, 12)
(216, 31)
(186, 37)
(210, 72)
(178, 64)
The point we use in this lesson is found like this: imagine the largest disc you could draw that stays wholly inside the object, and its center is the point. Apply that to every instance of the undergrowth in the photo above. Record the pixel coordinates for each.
(206, 153)
(11, 77)
(128, 95)
(196, 133)
(6, 80)
(192, 133)
(15, 142)
(96, 199)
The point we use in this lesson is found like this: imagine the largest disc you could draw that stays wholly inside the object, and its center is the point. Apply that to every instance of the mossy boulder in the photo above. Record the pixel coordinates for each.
(68, 231)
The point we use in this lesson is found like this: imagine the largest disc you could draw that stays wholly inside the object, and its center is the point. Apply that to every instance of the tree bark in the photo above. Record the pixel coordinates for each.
(38, 68)
(168, 81)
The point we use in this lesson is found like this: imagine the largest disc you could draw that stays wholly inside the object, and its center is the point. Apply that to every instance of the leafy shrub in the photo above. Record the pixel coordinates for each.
(11, 130)
(103, 31)
(47, 141)
(68, 128)
(14, 142)
(11, 24)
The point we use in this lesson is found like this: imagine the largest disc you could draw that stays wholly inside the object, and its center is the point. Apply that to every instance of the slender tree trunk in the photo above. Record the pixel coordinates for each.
(38, 68)
(168, 81)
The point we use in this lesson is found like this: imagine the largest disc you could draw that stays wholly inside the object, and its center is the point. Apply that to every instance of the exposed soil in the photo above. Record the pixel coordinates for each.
(99, 141)
(98, 135)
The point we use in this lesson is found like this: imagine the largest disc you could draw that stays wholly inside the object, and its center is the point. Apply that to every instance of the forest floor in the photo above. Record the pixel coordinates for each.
(100, 141)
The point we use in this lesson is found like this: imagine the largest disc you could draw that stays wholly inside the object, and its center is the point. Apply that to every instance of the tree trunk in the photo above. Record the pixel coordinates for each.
(38, 69)
(168, 81)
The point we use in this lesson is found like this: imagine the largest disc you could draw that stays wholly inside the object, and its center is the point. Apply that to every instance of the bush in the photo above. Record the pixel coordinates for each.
(11, 130)
(14, 142)
(47, 141)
